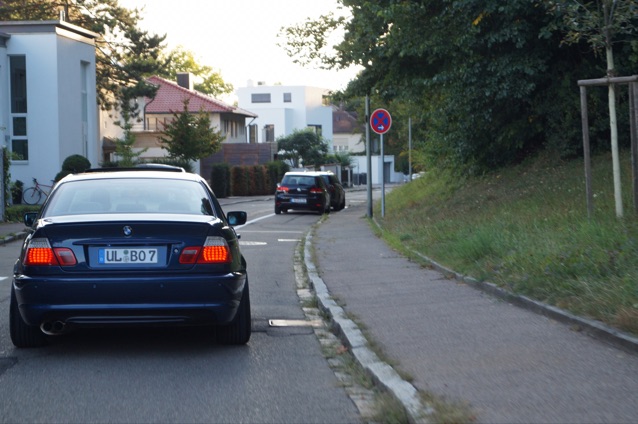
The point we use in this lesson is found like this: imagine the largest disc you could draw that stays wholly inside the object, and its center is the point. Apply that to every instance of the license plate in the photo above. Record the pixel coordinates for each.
(127, 256)
(298, 200)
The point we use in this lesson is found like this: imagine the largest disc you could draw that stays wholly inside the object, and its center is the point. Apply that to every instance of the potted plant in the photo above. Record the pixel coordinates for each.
(16, 192)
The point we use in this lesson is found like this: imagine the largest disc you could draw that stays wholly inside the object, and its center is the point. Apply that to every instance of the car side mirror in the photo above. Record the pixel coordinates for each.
(29, 218)
(237, 218)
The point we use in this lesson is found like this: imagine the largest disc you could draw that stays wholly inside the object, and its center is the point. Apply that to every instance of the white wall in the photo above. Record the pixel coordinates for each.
(54, 103)
(360, 165)
(43, 114)
(74, 137)
(306, 108)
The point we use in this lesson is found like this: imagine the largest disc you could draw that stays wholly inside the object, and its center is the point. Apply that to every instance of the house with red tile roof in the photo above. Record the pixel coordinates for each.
(159, 111)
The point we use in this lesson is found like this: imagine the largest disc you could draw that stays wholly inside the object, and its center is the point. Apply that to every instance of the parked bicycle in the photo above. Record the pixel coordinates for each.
(33, 195)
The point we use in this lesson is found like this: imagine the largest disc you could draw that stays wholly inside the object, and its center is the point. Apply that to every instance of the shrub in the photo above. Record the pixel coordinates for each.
(16, 192)
(239, 181)
(275, 172)
(72, 165)
(220, 179)
(16, 213)
(261, 180)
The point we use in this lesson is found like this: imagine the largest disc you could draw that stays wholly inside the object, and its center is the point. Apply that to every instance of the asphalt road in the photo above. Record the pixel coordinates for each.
(179, 375)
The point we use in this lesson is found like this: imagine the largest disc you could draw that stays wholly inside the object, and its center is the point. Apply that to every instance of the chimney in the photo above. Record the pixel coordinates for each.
(185, 80)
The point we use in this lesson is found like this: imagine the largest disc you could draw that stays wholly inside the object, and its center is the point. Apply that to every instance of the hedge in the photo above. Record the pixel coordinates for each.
(246, 180)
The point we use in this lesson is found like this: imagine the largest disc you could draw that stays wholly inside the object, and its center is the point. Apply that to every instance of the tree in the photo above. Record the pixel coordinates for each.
(599, 23)
(127, 157)
(490, 81)
(125, 55)
(190, 136)
(303, 146)
(182, 60)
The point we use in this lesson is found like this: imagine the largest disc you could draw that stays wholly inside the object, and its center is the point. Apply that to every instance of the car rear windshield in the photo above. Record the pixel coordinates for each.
(129, 195)
(302, 180)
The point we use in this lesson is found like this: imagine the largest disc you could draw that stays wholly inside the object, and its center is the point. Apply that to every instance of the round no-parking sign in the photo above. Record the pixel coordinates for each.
(380, 121)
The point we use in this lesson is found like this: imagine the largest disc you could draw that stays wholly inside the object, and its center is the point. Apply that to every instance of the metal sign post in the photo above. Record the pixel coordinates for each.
(368, 162)
(381, 121)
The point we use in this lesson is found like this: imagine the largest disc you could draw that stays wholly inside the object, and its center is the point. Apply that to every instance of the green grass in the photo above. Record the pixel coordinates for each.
(526, 229)
(15, 213)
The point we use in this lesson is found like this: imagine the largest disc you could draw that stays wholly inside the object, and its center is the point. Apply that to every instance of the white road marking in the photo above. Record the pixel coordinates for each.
(277, 232)
(255, 220)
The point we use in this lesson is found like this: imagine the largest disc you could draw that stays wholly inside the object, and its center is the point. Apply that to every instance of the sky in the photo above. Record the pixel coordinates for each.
(238, 38)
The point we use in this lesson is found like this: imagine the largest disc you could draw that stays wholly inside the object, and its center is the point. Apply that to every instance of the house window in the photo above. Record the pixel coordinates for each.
(18, 81)
(260, 97)
(316, 129)
(287, 97)
(230, 128)
(252, 133)
(269, 133)
(84, 101)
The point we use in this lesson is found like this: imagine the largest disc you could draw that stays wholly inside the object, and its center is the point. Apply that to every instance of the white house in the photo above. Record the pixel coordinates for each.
(283, 109)
(48, 105)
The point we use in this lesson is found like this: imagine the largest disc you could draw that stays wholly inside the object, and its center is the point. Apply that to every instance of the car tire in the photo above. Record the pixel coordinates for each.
(342, 206)
(239, 330)
(23, 334)
(277, 210)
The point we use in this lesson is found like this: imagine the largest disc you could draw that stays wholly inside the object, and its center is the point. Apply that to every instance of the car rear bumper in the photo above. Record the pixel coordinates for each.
(121, 301)
(310, 205)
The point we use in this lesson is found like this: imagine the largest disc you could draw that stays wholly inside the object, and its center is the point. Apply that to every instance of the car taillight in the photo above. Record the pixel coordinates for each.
(65, 256)
(282, 189)
(214, 251)
(316, 190)
(39, 252)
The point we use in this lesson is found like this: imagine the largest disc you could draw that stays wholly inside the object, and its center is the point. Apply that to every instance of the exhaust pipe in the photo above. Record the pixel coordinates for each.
(52, 328)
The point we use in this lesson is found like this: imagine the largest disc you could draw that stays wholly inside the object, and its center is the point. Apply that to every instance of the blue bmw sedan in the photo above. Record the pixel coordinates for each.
(141, 246)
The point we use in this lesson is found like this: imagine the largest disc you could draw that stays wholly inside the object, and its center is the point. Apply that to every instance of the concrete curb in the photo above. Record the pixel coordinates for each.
(351, 335)
(593, 328)
(13, 237)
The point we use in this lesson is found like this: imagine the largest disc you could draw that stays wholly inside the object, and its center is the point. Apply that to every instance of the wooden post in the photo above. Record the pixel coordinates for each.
(632, 81)
(633, 123)
(586, 152)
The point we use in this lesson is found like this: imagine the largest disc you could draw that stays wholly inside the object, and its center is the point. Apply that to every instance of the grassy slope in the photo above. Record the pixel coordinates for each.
(526, 229)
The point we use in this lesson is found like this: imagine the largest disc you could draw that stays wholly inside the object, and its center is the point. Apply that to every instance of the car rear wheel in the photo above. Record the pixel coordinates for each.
(239, 330)
(23, 334)
(277, 210)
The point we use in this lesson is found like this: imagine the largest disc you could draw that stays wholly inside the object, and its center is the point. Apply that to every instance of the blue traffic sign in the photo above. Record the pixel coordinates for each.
(380, 121)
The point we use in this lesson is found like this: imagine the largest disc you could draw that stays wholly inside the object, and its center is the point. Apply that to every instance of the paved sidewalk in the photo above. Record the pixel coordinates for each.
(10, 231)
(509, 364)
